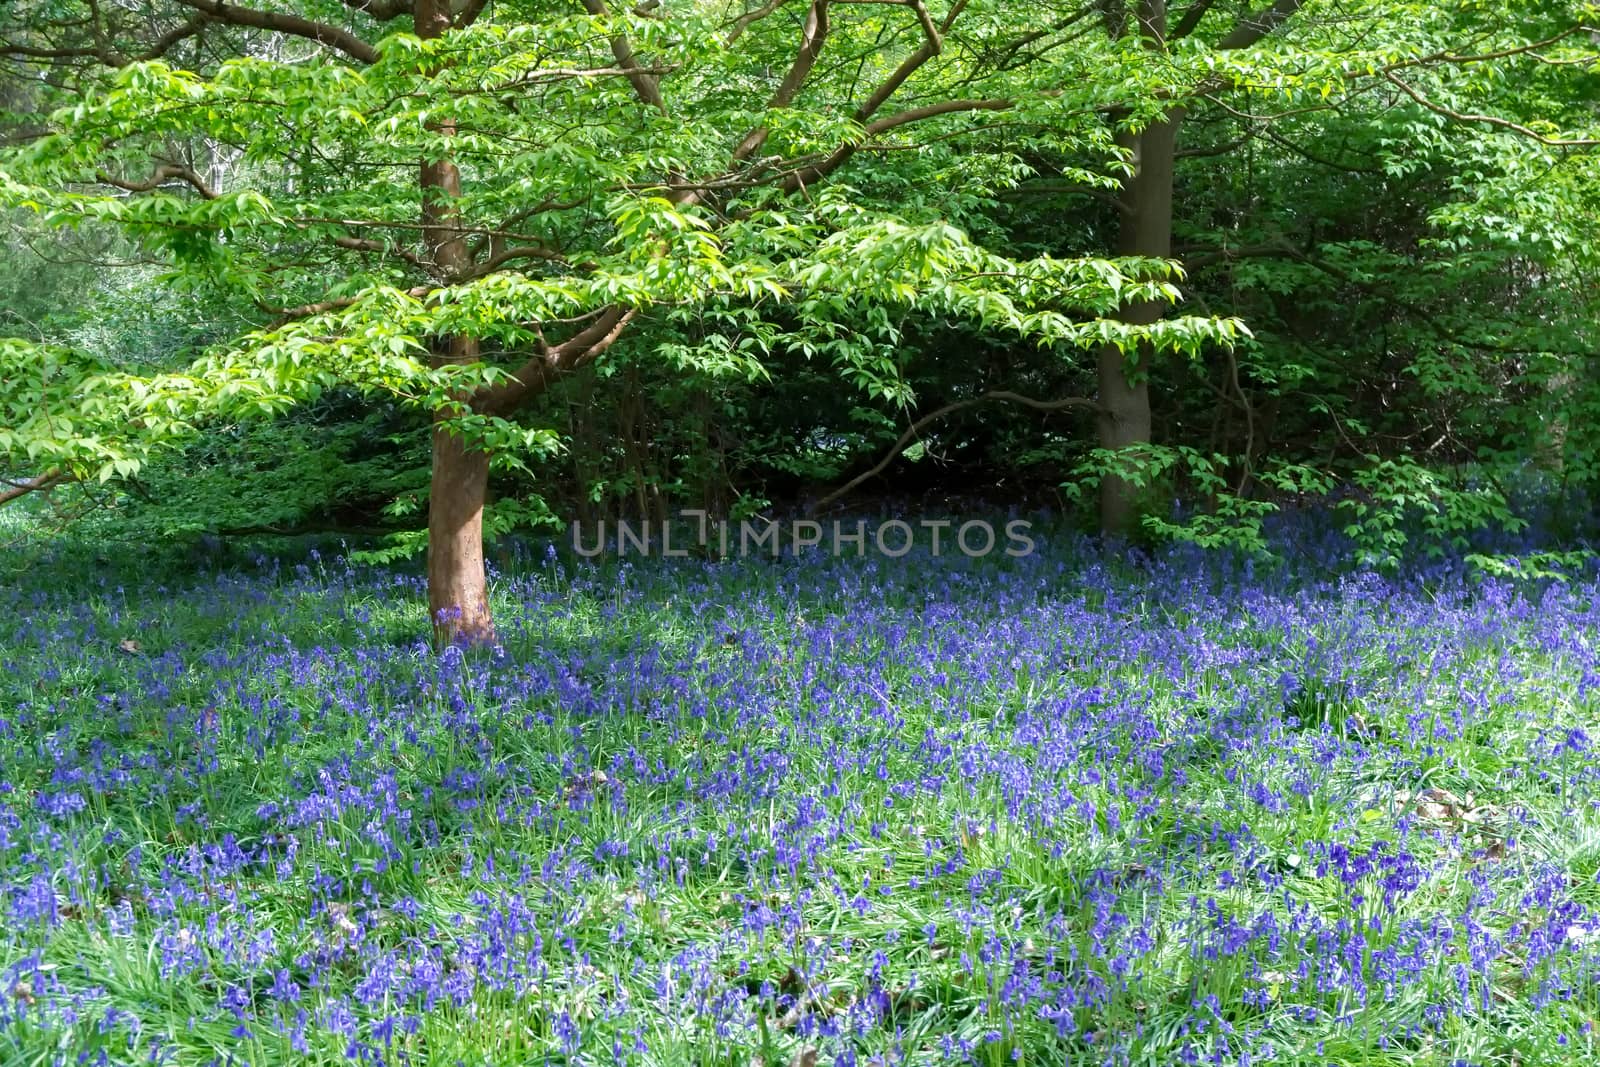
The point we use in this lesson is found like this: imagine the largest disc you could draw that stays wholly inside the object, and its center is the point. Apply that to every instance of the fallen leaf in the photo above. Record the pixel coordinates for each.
(1437, 805)
(589, 782)
(339, 917)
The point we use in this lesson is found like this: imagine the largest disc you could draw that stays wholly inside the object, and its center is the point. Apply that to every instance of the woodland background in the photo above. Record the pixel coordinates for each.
(1197, 263)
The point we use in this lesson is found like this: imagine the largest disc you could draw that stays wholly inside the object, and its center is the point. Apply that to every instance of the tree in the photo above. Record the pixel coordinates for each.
(1146, 206)
(457, 216)
(1377, 67)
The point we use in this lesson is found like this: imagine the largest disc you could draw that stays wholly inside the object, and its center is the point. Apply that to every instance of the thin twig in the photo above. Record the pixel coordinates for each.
(949, 409)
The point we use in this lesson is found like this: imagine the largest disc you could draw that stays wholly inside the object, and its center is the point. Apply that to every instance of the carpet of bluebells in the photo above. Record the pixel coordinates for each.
(1075, 808)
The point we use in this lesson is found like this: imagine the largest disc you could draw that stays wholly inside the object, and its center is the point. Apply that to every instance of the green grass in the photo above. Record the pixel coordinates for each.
(848, 810)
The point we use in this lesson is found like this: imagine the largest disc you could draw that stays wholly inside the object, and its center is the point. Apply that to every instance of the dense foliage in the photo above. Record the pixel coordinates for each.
(1294, 301)
(730, 256)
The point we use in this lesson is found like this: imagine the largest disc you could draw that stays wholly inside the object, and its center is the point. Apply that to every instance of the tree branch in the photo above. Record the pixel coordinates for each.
(813, 35)
(1489, 57)
(509, 255)
(949, 409)
(40, 484)
(163, 174)
(646, 87)
(800, 178)
(1491, 120)
(1191, 18)
(383, 10)
(550, 362)
(32, 52)
(947, 107)
(588, 345)
(749, 18)
(300, 311)
(158, 48)
(361, 244)
(293, 25)
(161, 44)
(1252, 28)
(932, 45)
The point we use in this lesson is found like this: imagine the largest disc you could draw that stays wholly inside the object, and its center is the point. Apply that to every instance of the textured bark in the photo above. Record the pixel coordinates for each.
(10, 491)
(458, 596)
(1146, 201)
(1124, 379)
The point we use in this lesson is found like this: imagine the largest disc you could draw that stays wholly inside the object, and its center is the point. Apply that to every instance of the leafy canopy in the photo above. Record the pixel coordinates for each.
(787, 179)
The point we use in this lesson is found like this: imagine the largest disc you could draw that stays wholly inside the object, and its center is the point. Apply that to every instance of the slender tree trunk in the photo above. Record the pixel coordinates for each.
(1146, 202)
(458, 599)
(1124, 378)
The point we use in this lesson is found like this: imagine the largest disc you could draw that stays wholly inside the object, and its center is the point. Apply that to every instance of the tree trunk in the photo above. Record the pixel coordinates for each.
(458, 599)
(1124, 381)
(1146, 202)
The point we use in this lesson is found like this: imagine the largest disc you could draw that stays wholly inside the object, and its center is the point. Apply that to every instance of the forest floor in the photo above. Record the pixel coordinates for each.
(1057, 810)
